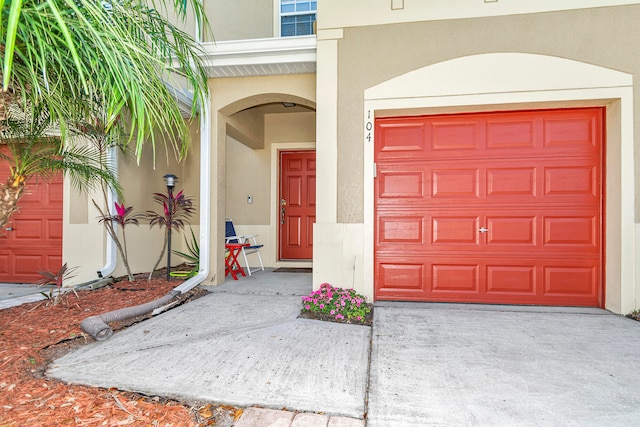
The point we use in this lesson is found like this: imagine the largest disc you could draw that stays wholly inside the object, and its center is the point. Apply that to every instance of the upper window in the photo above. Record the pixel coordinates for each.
(297, 17)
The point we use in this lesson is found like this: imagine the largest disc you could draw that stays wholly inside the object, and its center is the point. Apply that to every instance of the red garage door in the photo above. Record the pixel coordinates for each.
(33, 241)
(491, 208)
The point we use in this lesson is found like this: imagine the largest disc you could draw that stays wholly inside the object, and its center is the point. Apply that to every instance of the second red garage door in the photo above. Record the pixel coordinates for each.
(493, 208)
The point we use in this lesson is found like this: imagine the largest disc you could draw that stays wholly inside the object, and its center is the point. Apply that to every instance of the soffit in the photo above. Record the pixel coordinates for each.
(261, 57)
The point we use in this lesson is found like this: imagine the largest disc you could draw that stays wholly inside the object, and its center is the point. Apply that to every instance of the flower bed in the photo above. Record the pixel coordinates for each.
(337, 305)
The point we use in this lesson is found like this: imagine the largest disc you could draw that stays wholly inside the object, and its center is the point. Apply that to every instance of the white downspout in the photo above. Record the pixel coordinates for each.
(110, 246)
(205, 198)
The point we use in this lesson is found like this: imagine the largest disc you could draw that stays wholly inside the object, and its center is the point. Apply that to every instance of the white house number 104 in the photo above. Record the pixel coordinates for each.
(368, 126)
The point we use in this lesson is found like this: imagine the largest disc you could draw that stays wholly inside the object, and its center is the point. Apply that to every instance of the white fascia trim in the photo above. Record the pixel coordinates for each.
(280, 50)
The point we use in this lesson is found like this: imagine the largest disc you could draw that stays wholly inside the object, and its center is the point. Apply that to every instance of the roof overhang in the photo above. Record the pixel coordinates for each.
(246, 58)
(260, 57)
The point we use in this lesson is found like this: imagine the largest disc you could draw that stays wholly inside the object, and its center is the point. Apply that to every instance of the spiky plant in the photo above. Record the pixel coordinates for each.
(176, 211)
(57, 279)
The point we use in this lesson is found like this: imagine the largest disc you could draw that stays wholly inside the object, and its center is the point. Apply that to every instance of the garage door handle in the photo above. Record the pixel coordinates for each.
(483, 229)
(9, 229)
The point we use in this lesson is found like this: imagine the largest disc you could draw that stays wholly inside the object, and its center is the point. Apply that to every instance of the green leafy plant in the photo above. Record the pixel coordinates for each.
(336, 303)
(192, 256)
(56, 278)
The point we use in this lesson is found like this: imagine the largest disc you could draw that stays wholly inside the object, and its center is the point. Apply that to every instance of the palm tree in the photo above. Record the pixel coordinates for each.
(69, 59)
(33, 151)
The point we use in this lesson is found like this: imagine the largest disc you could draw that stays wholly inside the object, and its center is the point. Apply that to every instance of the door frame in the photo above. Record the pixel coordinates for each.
(274, 216)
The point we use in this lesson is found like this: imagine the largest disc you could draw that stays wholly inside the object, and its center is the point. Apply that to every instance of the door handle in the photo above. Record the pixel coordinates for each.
(483, 229)
(283, 203)
(9, 229)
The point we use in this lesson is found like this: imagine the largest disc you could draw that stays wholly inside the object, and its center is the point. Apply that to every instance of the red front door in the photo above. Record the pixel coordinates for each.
(297, 204)
(491, 207)
(32, 241)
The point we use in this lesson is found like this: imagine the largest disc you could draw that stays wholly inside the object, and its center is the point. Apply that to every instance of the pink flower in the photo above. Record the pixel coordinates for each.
(333, 312)
(321, 306)
(343, 304)
(120, 209)
(339, 316)
(359, 318)
(308, 307)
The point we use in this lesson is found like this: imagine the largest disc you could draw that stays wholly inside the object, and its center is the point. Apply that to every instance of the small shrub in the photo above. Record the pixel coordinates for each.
(56, 278)
(336, 303)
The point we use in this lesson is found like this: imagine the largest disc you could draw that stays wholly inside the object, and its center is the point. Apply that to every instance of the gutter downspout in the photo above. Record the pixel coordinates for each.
(111, 253)
(96, 326)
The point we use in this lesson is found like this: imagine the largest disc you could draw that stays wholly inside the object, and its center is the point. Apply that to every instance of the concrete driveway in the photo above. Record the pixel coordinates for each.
(468, 365)
(420, 365)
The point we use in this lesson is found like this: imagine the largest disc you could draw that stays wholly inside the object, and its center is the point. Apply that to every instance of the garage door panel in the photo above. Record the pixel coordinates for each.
(53, 262)
(26, 264)
(401, 276)
(456, 183)
(511, 133)
(571, 180)
(512, 213)
(401, 229)
(401, 184)
(511, 181)
(571, 279)
(5, 261)
(54, 228)
(29, 229)
(504, 280)
(455, 135)
(455, 277)
(459, 230)
(572, 132)
(400, 138)
(511, 230)
(571, 230)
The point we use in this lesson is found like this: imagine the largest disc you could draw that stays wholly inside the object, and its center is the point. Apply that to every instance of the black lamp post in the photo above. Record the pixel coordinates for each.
(170, 180)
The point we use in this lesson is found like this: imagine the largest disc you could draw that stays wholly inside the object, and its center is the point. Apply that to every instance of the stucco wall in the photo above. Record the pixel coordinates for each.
(240, 19)
(355, 13)
(609, 37)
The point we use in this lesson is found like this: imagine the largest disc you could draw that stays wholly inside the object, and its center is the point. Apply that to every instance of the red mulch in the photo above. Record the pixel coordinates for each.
(32, 335)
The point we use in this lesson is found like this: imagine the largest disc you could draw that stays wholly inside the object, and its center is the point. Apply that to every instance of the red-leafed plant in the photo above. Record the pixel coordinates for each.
(123, 216)
(57, 279)
(176, 211)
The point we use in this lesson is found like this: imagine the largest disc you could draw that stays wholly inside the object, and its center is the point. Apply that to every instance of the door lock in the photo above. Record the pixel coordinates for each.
(483, 229)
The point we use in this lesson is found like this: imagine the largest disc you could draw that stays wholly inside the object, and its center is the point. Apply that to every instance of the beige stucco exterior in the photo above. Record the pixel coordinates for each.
(373, 73)
(379, 58)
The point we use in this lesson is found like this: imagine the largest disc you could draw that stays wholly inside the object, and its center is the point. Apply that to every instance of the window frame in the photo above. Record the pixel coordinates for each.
(279, 15)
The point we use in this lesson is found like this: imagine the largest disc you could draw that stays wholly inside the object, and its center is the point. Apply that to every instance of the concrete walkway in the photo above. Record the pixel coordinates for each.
(242, 345)
(430, 364)
(12, 294)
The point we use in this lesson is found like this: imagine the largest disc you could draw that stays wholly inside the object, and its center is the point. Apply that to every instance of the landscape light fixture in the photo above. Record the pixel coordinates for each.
(169, 179)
